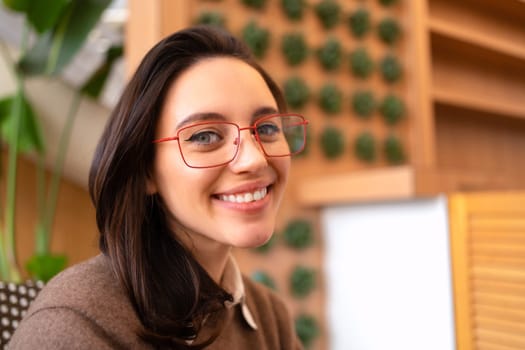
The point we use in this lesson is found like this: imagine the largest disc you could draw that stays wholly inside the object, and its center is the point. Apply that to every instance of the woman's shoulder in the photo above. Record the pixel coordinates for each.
(86, 286)
(83, 303)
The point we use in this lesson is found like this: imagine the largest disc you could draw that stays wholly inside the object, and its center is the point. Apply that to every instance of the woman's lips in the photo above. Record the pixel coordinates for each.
(245, 201)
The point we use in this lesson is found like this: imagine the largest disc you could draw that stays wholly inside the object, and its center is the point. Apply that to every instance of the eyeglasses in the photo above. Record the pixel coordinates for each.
(215, 143)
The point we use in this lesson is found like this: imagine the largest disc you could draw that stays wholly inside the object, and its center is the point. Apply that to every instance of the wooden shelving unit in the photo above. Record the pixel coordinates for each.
(470, 94)
(467, 82)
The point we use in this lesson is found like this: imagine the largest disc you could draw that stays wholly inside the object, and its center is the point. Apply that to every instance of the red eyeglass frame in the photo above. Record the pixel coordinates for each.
(304, 122)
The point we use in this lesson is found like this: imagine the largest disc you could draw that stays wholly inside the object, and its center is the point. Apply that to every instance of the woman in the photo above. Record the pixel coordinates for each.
(193, 161)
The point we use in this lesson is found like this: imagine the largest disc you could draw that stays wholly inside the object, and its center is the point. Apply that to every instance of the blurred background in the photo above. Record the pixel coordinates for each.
(404, 223)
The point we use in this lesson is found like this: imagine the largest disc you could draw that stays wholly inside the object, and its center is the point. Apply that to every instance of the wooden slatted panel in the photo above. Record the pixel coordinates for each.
(488, 262)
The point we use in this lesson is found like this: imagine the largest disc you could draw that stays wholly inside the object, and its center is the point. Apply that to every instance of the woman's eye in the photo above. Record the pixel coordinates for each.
(205, 138)
(268, 129)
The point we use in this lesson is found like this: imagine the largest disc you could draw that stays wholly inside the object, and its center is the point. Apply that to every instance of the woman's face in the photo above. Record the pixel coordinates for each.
(221, 204)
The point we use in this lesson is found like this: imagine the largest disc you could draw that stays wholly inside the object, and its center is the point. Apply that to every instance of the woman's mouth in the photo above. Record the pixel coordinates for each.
(244, 197)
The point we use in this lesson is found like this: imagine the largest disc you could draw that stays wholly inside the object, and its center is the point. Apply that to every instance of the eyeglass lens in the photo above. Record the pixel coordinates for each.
(211, 144)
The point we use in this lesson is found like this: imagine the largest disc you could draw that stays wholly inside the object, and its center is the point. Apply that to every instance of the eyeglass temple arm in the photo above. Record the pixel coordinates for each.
(164, 139)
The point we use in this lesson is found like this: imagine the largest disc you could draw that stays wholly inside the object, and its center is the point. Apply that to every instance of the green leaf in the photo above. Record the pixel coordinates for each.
(332, 142)
(389, 30)
(294, 48)
(211, 18)
(17, 5)
(361, 63)
(257, 38)
(392, 108)
(30, 136)
(363, 103)
(34, 62)
(365, 147)
(293, 9)
(74, 29)
(296, 92)
(328, 12)
(299, 234)
(55, 49)
(93, 87)
(302, 281)
(359, 22)
(330, 98)
(44, 267)
(256, 4)
(44, 14)
(330, 53)
(307, 329)
(394, 152)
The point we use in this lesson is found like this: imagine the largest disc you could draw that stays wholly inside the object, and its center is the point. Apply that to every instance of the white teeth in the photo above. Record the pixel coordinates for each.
(245, 197)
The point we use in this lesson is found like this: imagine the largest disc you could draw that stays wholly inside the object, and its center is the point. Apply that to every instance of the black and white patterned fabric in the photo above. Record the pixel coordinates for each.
(14, 302)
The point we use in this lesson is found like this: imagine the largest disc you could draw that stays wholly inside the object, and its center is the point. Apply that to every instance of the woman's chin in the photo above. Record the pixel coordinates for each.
(253, 241)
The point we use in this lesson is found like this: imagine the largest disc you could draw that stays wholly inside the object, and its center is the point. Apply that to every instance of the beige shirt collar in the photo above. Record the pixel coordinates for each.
(232, 283)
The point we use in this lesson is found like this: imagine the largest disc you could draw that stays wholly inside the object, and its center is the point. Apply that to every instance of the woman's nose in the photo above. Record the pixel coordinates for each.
(250, 156)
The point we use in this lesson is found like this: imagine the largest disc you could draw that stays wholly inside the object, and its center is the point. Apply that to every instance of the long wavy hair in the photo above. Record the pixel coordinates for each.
(170, 291)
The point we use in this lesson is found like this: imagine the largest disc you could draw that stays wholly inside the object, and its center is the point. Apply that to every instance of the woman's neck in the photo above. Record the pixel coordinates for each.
(210, 254)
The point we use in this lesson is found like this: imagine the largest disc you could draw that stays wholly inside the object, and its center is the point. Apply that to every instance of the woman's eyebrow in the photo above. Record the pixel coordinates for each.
(263, 111)
(199, 117)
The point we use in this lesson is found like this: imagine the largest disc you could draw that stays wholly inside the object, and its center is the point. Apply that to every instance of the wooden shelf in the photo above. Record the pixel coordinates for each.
(475, 37)
(448, 180)
(467, 100)
(360, 186)
(473, 77)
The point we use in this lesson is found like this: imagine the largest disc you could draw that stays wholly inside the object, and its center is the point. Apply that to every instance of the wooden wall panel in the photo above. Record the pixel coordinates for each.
(488, 261)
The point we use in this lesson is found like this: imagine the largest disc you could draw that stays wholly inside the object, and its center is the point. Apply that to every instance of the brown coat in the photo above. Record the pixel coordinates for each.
(85, 308)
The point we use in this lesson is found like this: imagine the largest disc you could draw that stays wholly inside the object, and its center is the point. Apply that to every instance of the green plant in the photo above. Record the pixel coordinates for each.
(388, 30)
(298, 234)
(359, 22)
(332, 142)
(294, 48)
(393, 149)
(391, 68)
(293, 9)
(392, 109)
(328, 12)
(330, 53)
(361, 63)
(307, 329)
(60, 28)
(256, 4)
(263, 278)
(302, 281)
(330, 98)
(387, 2)
(296, 92)
(363, 103)
(257, 38)
(266, 247)
(365, 147)
(211, 18)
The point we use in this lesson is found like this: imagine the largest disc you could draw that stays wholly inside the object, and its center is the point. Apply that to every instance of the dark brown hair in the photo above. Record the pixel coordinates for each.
(169, 290)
